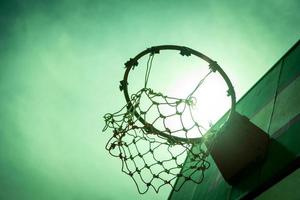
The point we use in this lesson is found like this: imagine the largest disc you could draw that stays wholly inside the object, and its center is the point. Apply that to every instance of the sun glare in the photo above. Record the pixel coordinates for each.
(210, 99)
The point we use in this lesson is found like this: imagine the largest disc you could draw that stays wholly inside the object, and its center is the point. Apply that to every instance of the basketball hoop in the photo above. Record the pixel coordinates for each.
(152, 154)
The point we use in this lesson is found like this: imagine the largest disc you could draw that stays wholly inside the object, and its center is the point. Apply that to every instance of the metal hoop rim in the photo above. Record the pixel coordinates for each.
(184, 51)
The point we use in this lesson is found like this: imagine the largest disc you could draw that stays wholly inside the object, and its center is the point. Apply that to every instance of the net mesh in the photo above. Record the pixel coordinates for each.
(152, 136)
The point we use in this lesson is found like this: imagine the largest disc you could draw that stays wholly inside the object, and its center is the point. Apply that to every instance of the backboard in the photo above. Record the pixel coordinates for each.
(272, 104)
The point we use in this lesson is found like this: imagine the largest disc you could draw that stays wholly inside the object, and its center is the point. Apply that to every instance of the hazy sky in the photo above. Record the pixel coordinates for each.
(60, 64)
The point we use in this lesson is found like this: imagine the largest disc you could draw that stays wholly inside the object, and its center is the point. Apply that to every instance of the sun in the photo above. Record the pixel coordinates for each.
(210, 99)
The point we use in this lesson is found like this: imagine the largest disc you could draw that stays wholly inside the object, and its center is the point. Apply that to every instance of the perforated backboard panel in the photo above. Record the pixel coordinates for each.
(273, 104)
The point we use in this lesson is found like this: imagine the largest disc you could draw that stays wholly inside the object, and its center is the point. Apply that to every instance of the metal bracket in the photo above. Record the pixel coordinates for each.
(153, 50)
(214, 66)
(131, 63)
(185, 51)
(123, 83)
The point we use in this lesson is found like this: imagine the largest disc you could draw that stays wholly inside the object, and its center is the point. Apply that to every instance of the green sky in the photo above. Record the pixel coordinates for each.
(60, 64)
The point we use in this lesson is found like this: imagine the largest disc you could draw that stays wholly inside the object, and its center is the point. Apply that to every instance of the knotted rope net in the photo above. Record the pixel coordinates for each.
(150, 158)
